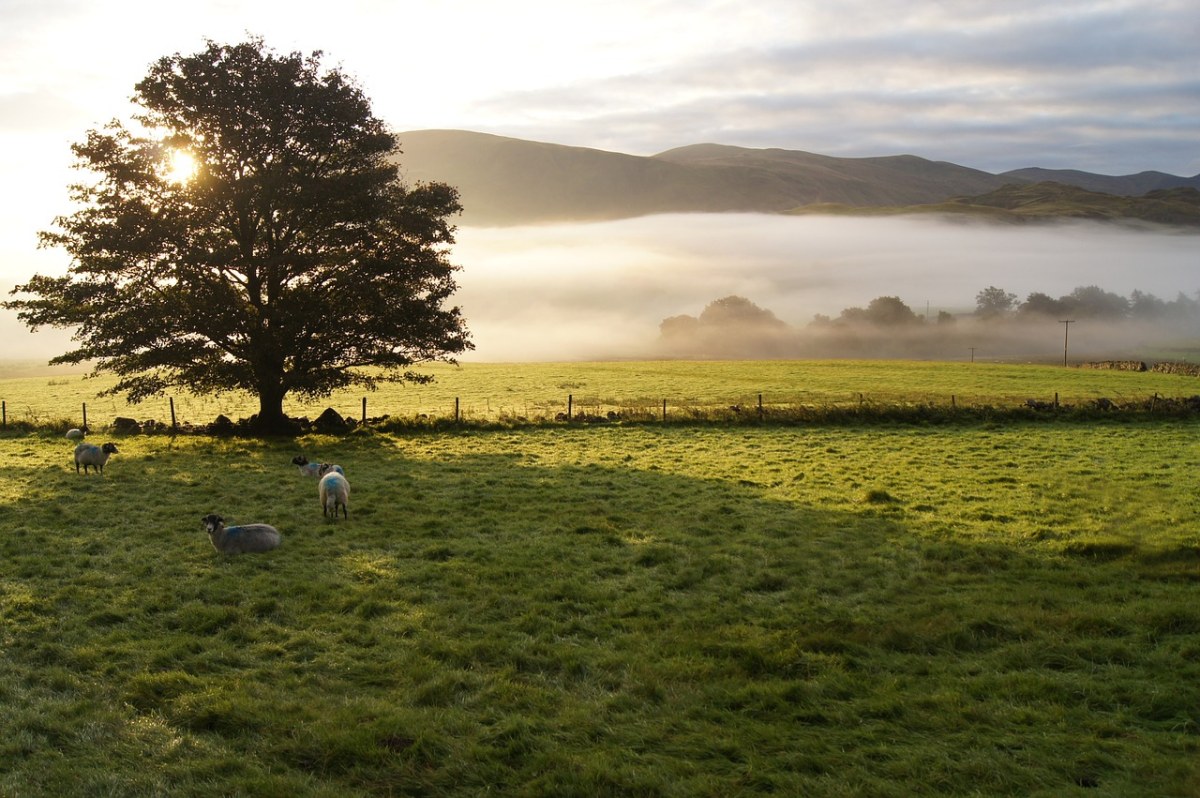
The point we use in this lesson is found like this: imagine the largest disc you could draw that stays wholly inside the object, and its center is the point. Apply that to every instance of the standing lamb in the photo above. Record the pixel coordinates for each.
(334, 490)
(89, 454)
(308, 469)
(76, 434)
(246, 538)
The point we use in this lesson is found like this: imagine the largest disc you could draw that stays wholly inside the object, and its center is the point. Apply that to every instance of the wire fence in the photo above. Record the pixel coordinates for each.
(662, 392)
(757, 408)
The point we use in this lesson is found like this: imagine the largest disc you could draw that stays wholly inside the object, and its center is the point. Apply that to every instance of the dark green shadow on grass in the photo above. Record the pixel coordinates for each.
(489, 623)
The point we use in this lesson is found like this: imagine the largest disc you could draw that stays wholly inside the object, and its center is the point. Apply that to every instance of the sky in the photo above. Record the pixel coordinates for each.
(1109, 86)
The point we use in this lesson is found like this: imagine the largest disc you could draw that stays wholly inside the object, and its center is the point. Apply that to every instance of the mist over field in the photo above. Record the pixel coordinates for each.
(601, 290)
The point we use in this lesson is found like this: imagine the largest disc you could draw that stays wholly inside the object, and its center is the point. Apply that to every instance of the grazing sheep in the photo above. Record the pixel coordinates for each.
(308, 469)
(246, 538)
(76, 434)
(89, 454)
(334, 490)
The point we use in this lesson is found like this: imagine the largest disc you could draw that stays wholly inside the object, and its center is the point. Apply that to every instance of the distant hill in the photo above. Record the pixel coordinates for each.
(1047, 201)
(807, 178)
(507, 181)
(1123, 186)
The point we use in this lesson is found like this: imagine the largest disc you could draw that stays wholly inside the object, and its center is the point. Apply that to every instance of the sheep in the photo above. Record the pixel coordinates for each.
(308, 469)
(89, 454)
(76, 434)
(245, 538)
(334, 490)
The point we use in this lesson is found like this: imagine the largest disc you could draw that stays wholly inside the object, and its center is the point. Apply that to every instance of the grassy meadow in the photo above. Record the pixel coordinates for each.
(655, 610)
(490, 393)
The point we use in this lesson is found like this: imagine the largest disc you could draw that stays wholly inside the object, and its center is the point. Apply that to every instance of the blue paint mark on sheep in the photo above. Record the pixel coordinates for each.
(93, 456)
(334, 490)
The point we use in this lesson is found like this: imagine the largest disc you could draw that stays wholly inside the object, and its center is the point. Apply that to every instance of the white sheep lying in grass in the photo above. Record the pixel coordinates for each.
(334, 490)
(89, 454)
(240, 539)
(308, 469)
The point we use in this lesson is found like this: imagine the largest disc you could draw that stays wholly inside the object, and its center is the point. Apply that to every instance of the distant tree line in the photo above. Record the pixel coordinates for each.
(736, 327)
(1087, 302)
(992, 303)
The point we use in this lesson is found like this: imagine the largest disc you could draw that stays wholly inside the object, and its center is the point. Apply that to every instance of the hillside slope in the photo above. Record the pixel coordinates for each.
(810, 178)
(512, 181)
(1122, 185)
(507, 181)
(1048, 201)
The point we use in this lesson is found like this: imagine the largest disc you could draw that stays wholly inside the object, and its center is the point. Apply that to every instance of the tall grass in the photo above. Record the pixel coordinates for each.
(648, 610)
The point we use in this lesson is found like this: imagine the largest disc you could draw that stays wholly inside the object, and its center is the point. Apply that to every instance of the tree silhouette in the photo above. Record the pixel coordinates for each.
(293, 259)
(992, 302)
(883, 311)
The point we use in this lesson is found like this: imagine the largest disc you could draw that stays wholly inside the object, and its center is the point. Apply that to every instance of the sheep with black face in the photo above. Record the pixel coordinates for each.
(308, 469)
(241, 539)
(89, 455)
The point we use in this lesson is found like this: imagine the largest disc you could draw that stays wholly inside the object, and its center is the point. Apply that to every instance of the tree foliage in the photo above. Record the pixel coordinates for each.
(739, 311)
(882, 311)
(992, 302)
(294, 259)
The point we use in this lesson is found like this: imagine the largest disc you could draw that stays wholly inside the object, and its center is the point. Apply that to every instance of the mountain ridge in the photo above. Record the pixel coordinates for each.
(509, 181)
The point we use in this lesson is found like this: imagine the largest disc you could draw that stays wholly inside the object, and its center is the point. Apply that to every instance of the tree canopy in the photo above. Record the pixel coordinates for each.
(992, 302)
(292, 258)
(882, 311)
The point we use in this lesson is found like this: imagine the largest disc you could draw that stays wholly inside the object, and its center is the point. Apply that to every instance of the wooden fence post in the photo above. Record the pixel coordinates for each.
(173, 424)
(760, 407)
(364, 416)
(85, 415)
(570, 405)
(664, 410)
(456, 414)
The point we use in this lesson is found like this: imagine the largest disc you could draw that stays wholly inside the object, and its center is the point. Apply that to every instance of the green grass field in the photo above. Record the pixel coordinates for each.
(493, 392)
(655, 610)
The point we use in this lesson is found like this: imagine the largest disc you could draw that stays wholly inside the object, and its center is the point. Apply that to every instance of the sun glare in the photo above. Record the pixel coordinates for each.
(181, 167)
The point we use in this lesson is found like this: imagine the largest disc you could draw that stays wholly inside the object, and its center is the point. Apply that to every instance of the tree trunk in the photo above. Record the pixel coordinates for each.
(271, 419)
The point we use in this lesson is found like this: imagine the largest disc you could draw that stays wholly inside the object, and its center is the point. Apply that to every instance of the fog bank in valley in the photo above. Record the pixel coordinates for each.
(601, 290)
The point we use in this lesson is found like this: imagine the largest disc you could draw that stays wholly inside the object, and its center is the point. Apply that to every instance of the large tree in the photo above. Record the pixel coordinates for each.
(292, 258)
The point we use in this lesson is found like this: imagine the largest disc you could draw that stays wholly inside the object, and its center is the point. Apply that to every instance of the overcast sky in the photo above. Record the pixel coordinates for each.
(1110, 86)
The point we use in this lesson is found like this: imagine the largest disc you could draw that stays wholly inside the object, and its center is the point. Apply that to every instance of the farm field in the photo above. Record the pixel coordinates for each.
(494, 392)
(889, 610)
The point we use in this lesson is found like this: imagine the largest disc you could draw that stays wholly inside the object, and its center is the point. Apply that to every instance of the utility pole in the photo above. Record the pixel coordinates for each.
(1066, 323)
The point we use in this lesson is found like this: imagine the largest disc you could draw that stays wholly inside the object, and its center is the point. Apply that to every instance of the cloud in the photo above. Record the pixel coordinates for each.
(1107, 87)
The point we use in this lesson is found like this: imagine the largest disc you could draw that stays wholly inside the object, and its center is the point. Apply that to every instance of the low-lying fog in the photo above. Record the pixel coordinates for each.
(600, 290)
